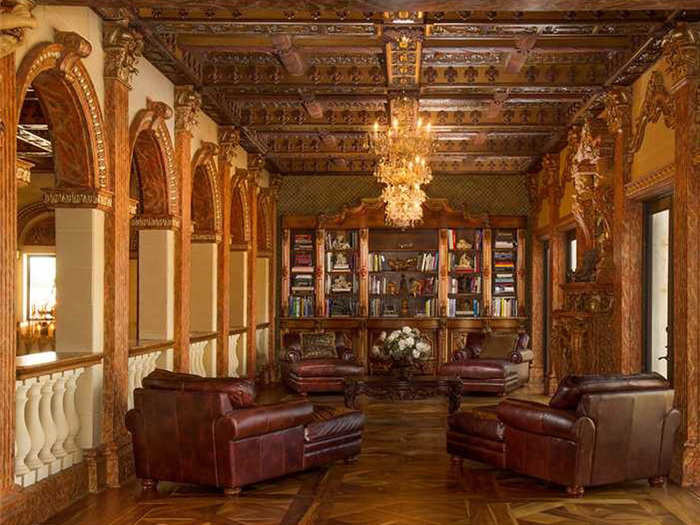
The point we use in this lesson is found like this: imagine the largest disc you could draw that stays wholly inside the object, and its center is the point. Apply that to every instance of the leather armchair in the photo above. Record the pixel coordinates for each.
(304, 373)
(596, 430)
(491, 362)
(210, 431)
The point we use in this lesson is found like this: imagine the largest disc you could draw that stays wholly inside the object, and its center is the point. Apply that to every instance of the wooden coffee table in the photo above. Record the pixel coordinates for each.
(396, 389)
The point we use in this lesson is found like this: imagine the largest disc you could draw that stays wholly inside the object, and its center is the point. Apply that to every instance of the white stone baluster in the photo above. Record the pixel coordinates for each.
(59, 416)
(23, 441)
(47, 422)
(233, 355)
(74, 452)
(152, 359)
(140, 369)
(132, 381)
(36, 431)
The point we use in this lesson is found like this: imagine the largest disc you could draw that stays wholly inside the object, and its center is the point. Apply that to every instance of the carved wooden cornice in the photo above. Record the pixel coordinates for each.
(187, 103)
(123, 47)
(657, 103)
(15, 21)
(656, 183)
(681, 49)
(78, 198)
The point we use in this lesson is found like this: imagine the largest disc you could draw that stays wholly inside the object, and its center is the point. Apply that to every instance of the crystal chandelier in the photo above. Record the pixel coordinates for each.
(403, 152)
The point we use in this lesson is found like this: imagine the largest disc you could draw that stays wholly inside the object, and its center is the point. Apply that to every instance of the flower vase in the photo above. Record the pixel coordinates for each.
(403, 370)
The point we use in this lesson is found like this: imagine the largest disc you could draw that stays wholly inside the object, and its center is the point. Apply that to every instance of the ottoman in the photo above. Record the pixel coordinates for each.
(483, 375)
(333, 434)
(478, 435)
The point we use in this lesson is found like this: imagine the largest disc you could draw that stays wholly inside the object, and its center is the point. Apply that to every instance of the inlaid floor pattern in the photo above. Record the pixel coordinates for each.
(404, 477)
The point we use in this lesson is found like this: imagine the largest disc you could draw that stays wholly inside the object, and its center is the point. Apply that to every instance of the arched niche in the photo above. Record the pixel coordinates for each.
(206, 206)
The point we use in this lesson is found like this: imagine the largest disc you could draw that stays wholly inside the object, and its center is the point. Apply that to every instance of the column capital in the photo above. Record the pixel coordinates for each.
(618, 104)
(156, 222)
(681, 50)
(229, 139)
(79, 198)
(14, 23)
(187, 104)
(23, 171)
(275, 185)
(123, 47)
(256, 163)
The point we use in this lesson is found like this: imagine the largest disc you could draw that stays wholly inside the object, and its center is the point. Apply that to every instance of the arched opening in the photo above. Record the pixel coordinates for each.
(238, 271)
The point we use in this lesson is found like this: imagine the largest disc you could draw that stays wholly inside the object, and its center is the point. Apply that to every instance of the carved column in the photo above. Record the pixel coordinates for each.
(122, 48)
(681, 50)
(275, 184)
(627, 231)
(537, 304)
(187, 104)
(256, 164)
(228, 142)
(8, 255)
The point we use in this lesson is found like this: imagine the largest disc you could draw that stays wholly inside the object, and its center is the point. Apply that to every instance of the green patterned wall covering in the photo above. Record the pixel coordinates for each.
(494, 194)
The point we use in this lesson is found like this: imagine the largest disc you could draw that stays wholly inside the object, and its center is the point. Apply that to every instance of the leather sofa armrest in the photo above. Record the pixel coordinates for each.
(521, 356)
(538, 418)
(263, 419)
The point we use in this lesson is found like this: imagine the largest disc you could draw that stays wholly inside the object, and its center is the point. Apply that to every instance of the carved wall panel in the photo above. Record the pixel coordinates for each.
(149, 165)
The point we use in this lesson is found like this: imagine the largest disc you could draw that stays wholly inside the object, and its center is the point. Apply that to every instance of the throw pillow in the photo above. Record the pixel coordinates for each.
(318, 345)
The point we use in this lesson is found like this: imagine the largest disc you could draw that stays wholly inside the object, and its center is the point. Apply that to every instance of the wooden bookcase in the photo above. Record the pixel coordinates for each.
(397, 277)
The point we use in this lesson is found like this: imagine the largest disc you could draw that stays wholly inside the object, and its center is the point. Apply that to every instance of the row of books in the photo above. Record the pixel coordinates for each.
(464, 242)
(424, 262)
(386, 307)
(505, 240)
(301, 306)
(464, 262)
(463, 308)
(342, 240)
(303, 241)
(465, 284)
(505, 307)
(385, 286)
(341, 306)
(302, 262)
(302, 282)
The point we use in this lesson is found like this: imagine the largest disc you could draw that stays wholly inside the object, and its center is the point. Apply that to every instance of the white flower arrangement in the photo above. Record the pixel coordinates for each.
(405, 345)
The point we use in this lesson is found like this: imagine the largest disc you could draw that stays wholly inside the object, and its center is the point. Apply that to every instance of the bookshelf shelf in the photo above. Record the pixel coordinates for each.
(504, 280)
(341, 281)
(464, 267)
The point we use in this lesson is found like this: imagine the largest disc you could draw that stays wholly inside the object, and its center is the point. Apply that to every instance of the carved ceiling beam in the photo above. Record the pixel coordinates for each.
(290, 57)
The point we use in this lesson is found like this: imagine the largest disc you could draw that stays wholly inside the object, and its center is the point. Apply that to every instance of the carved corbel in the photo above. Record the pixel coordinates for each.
(229, 139)
(657, 103)
(681, 50)
(187, 104)
(23, 172)
(256, 163)
(75, 47)
(14, 22)
(618, 113)
(275, 185)
(122, 47)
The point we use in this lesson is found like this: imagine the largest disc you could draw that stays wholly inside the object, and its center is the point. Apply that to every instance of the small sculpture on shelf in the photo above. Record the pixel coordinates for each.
(465, 262)
(416, 287)
(403, 284)
(463, 244)
(391, 288)
(340, 242)
(398, 265)
(341, 262)
(404, 308)
(341, 284)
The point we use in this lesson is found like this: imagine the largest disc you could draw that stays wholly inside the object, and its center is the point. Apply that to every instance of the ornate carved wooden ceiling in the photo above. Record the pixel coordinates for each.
(305, 84)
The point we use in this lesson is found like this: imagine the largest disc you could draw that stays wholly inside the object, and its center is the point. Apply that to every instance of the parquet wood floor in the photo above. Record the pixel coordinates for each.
(404, 477)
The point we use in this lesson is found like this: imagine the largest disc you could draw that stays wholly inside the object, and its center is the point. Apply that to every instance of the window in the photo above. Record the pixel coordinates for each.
(658, 288)
(41, 287)
(570, 252)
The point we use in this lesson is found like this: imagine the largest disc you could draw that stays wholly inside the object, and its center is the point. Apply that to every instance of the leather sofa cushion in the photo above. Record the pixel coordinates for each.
(537, 418)
(264, 419)
(572, 388)
(325, 368)
(330, 422)
(476, 369)
(241, 392)
(482, 422)
(318, 345)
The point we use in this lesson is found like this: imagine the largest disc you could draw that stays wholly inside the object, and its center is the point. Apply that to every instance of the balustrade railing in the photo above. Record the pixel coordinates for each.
(203, 354)
(144, 358)
(236, 352)
(53, 410)
(262, 336)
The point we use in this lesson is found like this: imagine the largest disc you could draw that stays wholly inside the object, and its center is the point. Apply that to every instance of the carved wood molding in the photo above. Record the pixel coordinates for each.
(122, 47)
(205, 157)
(78, 198)
(657, 103)
(64, 57)
(656, 183)
(187, 103)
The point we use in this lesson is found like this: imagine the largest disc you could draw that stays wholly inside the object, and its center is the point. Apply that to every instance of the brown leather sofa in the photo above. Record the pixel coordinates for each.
(209, 431)
(596, 430)
(317, 362)
(497, 362)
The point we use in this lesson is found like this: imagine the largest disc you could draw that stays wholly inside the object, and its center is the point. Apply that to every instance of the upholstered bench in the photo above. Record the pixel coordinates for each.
(478, 435)
(483, 375)
(332, 434)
